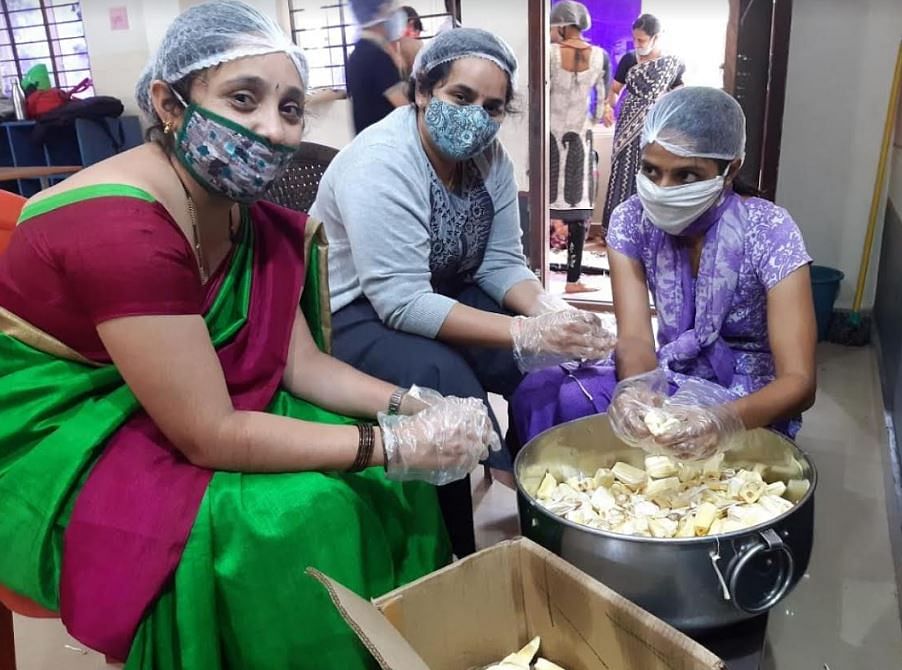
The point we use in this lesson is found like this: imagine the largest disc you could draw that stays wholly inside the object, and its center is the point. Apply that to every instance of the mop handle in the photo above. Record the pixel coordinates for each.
(878, 184)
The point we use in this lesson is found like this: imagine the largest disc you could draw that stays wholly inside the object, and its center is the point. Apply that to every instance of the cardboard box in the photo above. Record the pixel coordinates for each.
(479, 610)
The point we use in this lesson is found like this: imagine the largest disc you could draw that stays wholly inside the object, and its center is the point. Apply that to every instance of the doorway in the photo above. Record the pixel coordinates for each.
(740, 45)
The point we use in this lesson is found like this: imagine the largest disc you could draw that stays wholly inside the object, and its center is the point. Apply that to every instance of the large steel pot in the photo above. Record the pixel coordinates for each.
(693, 583)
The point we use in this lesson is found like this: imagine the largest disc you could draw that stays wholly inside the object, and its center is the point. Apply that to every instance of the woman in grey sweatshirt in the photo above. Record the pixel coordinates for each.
(428, 280)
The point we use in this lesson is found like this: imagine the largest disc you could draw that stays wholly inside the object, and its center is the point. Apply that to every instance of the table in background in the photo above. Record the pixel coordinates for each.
(42, 173)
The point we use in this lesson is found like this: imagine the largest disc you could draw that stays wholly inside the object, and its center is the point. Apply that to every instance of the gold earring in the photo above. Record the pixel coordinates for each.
(167, 127)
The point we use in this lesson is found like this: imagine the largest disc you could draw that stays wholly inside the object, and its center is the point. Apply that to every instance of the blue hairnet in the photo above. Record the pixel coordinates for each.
(371, 12)
(452, 45)
(209, 34)
(697, 121)
(569, 13)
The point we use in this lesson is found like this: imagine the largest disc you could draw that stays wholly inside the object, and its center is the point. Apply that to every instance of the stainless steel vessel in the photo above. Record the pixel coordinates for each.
(692, 583)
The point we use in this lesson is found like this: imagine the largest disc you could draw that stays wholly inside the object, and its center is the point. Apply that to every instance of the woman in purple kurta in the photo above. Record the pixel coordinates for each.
(728, 274)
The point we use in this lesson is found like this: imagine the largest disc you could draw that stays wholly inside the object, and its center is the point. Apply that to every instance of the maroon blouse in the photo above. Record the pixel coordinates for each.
(86, 262)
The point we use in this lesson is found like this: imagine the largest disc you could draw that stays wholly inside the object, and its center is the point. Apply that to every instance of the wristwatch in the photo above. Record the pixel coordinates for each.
(394, 403)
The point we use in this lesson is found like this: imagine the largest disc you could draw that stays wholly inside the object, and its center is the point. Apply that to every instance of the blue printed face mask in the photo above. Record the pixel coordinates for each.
(459, 132)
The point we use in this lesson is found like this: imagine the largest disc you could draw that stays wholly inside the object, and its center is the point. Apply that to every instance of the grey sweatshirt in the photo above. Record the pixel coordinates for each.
(374, 201)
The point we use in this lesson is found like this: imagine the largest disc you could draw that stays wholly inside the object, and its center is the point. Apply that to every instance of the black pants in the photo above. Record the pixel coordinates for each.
(361, 339)
(577, 221)
(575, 242)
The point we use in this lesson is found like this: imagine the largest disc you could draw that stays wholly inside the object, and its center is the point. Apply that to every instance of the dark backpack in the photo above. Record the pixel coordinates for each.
(97, 109)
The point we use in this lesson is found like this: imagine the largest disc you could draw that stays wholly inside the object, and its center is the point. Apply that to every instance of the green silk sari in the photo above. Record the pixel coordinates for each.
(239, 596)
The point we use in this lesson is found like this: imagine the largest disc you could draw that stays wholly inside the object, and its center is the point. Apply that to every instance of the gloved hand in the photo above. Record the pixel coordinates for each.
(702, 422)
(439, 444)
(695, 433)
(551, 303)
(418, 398)
(556, 337)
(633, 398)
(694, 424)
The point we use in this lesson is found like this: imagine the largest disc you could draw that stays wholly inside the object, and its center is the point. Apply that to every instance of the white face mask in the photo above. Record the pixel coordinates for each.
(647, 49)
(674, 208)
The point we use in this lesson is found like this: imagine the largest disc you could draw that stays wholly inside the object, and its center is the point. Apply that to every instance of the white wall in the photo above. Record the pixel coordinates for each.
(509, 20)
(894, 190)
(840, 69)
(119, 56)
(696, 32)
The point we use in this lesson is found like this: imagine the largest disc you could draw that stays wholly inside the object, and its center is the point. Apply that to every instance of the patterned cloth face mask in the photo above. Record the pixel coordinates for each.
(459, 132)
(226, 158)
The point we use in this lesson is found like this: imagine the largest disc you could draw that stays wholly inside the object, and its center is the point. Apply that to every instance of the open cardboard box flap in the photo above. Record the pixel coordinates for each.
(479, 610)
(382, 639)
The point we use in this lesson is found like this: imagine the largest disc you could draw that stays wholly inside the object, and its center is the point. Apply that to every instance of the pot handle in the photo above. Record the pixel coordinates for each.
(770, 544)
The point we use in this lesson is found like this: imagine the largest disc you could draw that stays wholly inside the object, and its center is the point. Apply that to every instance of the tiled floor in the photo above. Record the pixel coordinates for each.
(843, 616)
(601, 284)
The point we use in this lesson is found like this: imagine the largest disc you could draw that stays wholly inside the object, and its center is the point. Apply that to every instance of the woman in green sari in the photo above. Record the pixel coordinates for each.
(176, 446)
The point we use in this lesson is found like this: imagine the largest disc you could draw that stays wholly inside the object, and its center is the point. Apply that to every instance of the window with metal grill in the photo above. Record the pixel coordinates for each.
(326, 31)
(43, 31)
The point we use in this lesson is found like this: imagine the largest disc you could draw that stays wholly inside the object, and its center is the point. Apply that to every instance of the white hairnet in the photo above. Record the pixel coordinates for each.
(697, 121)
(569, 13)
(466, 43)
(370, 12)
(209, 34)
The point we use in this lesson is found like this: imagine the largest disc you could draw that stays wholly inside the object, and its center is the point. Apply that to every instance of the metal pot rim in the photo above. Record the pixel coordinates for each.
(682, 541)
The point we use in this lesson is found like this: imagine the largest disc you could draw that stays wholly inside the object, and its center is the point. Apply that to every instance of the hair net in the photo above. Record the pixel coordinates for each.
(466, 43)
(209, 34)
(371, 12)
(697, 121)
(569, 13)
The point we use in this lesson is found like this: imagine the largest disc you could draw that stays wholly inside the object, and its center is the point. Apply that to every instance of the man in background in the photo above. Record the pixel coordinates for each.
(373, 73)
(411, 43)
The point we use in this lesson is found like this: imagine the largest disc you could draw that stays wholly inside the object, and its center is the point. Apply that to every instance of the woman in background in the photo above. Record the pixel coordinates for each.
(576, 67)
(646, 74)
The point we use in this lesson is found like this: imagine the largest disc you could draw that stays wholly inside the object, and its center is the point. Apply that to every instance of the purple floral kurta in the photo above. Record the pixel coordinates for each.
(713, 326)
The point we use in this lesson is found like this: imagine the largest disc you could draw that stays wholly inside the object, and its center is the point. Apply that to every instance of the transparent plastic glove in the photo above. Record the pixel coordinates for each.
(439, 444)
(552, 303)
(696, 433)
(557, 337)
(698, 422)
(633, 398)
(418, 398)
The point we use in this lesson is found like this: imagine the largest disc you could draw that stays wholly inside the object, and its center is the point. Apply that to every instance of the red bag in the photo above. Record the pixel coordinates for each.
(41, 102)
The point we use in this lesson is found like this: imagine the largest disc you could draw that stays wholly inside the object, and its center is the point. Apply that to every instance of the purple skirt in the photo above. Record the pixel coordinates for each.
(556, 395)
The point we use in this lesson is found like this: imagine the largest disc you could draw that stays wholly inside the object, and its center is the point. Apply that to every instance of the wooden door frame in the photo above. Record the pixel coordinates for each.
(776, 96)
(537, 35)
(781, 24)
(538, 134)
